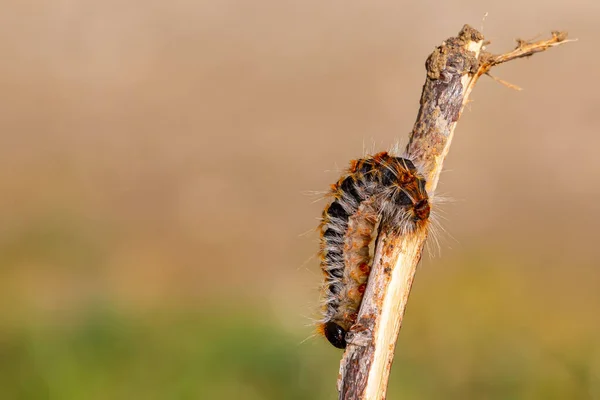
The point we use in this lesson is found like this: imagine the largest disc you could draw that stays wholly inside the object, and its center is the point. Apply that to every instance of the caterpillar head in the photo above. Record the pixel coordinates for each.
(335, 334)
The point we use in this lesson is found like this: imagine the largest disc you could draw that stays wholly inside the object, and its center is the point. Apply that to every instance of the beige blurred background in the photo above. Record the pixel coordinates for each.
(158, 155)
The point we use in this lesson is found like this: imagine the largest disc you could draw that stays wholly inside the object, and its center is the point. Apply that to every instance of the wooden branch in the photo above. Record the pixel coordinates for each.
(452, 71)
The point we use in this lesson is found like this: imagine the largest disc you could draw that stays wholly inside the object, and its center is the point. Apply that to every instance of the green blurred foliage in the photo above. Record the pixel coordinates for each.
(479, 327)
(168, 356)
(177, 355)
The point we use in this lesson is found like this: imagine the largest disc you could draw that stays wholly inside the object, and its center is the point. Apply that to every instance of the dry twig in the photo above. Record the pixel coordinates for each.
(452, 71)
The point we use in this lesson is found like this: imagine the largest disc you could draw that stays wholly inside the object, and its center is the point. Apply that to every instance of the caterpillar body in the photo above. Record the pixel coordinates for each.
(379, 190)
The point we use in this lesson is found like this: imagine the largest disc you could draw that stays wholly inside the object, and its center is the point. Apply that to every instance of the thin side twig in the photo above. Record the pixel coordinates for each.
(452, 71)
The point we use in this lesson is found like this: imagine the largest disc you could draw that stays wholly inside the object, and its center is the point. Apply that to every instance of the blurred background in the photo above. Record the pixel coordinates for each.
(156, 236)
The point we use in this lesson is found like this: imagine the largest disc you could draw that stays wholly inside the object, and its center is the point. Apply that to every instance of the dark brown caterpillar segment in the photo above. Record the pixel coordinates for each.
(379, 189)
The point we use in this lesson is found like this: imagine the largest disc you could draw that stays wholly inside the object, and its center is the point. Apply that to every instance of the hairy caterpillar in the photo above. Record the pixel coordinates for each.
(377, 190)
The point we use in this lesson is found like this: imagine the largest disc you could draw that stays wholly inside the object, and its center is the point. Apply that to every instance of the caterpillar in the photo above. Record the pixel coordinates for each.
(379, 190)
